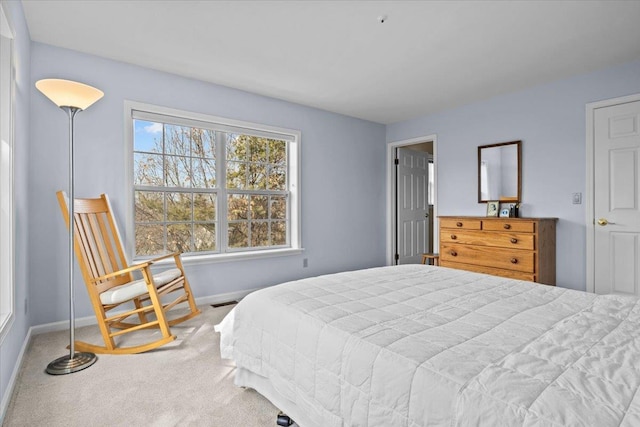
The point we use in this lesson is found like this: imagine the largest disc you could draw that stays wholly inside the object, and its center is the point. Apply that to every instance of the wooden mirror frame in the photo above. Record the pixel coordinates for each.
(518, 197)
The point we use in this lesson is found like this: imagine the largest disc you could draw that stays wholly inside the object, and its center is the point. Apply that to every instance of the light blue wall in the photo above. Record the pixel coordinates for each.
(13, 341)
(550, 121)
(343, 183)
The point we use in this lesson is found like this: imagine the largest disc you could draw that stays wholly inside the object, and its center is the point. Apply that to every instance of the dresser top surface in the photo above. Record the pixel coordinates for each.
(493, 218)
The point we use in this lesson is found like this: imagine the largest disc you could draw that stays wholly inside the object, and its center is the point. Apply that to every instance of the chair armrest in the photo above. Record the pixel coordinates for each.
(130, 269)
(136, 267)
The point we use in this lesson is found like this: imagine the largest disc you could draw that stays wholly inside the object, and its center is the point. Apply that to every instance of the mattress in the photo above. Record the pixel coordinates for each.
(419, 345)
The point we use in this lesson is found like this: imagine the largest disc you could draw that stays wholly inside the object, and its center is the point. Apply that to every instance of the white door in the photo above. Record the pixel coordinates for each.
(412, 205)
(617, 199)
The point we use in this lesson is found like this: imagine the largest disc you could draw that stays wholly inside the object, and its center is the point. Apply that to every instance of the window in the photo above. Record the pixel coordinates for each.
(205, 185)
(6, 174)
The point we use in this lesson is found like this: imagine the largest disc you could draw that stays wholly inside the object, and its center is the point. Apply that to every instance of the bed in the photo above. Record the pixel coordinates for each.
(418, 345)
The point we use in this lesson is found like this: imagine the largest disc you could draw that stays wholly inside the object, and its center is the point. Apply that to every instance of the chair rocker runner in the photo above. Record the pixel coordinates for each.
(111, 283)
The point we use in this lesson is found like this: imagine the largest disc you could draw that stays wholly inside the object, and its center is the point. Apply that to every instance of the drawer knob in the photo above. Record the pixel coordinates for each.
(514, 260)
(514, 240)
(507, 226)
(453, 253)
(454, 237)
(458, 224)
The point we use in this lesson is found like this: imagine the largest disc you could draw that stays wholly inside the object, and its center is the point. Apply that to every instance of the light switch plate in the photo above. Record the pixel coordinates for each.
(576, 198)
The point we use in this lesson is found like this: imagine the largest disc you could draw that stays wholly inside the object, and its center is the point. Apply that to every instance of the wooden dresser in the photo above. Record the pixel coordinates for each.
(520, 248)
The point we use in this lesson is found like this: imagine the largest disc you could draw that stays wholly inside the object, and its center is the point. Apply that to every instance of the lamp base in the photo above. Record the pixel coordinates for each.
(68, 365)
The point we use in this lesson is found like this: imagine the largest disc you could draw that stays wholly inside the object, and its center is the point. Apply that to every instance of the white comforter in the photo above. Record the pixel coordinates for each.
(420, 345)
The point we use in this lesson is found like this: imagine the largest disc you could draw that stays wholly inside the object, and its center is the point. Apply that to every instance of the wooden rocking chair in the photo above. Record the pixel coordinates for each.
(111, 283)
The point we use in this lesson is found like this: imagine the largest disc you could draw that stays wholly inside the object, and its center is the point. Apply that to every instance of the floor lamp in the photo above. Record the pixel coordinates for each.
(71, 97)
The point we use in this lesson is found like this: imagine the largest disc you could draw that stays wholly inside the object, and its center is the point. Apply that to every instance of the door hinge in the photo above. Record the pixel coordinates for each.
(397, 257)
(396, 161)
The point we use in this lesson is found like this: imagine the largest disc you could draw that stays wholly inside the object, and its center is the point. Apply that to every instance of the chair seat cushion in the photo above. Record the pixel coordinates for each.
(137, 287)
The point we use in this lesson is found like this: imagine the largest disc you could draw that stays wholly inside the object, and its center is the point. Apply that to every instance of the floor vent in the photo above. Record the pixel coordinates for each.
(222, 304)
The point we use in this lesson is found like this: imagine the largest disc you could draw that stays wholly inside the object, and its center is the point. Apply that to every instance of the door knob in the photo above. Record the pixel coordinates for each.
(603, 222)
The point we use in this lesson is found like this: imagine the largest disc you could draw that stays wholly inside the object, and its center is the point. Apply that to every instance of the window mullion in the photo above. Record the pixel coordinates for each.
(249, 216)
(222, 208)
(247, 172)
(165, 190)
(261, 192)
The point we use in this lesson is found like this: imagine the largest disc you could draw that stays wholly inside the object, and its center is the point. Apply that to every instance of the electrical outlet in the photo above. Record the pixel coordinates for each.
(576, 198)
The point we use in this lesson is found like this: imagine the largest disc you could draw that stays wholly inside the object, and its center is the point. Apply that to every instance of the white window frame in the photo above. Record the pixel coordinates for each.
(7, 229)
(133, 109)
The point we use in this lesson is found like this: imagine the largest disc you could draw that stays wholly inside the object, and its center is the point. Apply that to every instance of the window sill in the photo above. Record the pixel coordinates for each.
(228, 257)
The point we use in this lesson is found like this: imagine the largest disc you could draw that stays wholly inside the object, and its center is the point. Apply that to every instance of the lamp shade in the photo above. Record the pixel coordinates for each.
(65, 93)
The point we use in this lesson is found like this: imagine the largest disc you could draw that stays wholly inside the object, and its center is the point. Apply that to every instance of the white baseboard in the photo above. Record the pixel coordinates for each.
(220, 298)
(6, 397)
(91, 320)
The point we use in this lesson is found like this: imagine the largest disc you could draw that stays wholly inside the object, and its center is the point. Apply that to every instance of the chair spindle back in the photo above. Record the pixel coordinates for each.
(97, 241)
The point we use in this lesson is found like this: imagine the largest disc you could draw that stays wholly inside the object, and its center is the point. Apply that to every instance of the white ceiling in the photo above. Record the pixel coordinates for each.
(335, 55)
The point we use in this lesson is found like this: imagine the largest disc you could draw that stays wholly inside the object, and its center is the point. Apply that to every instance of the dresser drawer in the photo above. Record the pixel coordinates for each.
(461, 223)
(493, 271)
(506, 225)
(517, 260)
(493, 239)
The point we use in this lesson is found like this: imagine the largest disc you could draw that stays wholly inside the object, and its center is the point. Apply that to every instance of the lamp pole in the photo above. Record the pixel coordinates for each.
(71, 112)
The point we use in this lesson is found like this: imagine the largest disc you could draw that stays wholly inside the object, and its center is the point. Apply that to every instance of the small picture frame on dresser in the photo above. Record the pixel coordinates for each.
(493, 206)
(504, 213)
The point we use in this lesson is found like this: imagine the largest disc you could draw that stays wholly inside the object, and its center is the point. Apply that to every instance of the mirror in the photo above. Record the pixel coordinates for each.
(499, 170)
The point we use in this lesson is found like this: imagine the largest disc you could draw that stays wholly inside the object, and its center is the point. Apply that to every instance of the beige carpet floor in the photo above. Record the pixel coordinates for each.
(184, 383)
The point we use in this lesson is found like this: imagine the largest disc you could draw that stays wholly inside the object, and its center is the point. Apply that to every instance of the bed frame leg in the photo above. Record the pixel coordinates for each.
(284, 420)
